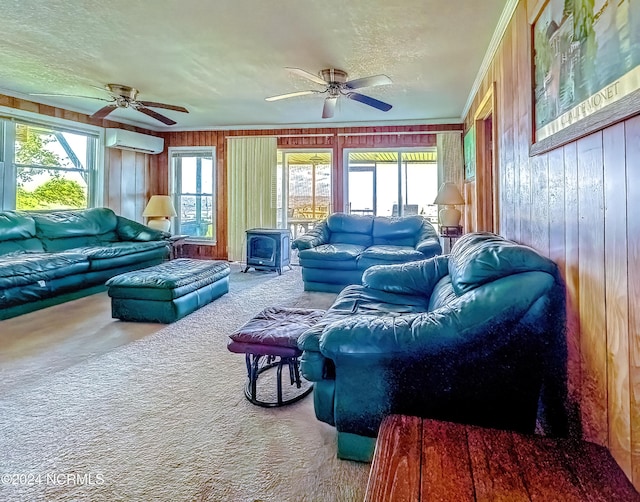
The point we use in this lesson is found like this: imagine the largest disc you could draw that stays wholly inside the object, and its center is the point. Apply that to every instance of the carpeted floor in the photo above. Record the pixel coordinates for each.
(164, 418)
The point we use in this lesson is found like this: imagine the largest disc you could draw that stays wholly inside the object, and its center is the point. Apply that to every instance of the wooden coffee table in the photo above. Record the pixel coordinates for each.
(423, 460)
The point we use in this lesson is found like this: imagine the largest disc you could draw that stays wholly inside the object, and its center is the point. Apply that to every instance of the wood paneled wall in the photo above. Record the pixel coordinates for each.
(126, 173)
(337, 139)
(578, 204)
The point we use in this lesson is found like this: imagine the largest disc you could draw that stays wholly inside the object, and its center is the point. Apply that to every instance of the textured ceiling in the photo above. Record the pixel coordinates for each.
(220, 59)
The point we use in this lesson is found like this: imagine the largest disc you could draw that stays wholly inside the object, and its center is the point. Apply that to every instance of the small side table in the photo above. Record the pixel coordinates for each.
(177, 241)
(449, 236)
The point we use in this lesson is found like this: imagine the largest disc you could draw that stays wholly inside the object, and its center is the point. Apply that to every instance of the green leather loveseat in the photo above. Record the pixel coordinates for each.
(48, 258)
(340, 248)
(475, 336)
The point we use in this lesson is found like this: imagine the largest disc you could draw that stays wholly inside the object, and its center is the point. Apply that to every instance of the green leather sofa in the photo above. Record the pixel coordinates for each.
(340, 248)
(48, 258)
(476, 336)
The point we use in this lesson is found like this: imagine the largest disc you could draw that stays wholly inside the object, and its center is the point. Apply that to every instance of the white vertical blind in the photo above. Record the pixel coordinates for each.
(450, 158)
(251, 177)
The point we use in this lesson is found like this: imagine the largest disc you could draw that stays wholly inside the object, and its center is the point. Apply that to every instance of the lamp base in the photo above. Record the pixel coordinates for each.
(163, 224)
(449, 216)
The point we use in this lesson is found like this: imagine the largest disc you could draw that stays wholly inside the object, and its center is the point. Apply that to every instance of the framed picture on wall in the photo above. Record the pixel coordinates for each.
(470, 154)
(586, 68)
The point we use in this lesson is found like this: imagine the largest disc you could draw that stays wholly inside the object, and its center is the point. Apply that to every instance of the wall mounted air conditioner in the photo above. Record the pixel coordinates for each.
(129, 140)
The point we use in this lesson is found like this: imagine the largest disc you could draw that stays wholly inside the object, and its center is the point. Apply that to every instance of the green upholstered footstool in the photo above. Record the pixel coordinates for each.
(169, 291)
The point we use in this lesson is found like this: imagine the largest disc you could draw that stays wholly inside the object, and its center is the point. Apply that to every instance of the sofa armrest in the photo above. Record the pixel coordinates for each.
(412, 278)
(129, 230)
(428, 242)
(429, 247)
(317, 236)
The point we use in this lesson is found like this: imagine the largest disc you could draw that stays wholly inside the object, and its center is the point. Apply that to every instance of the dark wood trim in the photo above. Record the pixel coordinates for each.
(622, 109)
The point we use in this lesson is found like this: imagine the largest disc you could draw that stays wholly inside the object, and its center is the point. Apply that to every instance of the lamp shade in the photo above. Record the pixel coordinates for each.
(449, 196)
(159, 210)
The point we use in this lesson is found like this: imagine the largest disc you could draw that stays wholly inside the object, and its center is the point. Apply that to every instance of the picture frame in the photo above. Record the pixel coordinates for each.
(586, 68)
(469, 144)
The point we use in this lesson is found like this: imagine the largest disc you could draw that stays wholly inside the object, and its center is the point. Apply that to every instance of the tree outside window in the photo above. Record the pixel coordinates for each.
(49, 172)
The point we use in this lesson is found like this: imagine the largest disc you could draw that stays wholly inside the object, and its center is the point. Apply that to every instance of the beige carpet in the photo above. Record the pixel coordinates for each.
(164, 418)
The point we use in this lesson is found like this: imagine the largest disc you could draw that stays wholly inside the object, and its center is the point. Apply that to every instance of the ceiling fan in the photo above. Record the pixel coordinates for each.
(123, 96)
(336, 85)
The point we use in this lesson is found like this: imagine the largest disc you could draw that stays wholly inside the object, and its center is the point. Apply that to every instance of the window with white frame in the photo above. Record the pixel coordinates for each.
(193, 191)
(47, 167)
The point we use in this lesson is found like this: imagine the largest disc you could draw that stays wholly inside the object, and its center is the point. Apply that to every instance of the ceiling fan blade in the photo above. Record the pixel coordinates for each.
(67, 96)
(307, 75)
(155, 115)
(368, 81)
(329, 107)
(367, 100)
(290, 95)
(104, 111)
(164, 105)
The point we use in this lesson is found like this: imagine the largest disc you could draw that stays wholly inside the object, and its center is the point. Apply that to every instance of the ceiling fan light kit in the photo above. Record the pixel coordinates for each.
(336, 85)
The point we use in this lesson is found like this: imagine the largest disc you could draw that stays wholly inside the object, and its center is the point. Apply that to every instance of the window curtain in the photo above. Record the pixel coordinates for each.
(251, 174)
(450, 158)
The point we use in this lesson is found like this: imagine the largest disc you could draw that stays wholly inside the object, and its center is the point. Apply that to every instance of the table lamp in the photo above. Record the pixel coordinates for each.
(449, 196)
(159, 210)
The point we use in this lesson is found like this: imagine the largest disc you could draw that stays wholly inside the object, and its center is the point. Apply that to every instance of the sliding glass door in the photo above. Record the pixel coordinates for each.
(391, 183)
(304, 188)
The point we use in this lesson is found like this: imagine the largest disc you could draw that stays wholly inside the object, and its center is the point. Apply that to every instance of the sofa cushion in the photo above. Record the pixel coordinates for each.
(341, 222)
(31, 245)
(350, 229)
(17, 233)
(15, 225)
(331, 253)
(483, 257)
(60, 230)
(387, 254)
(29, 268)
(397, 231)
(116, 254)
(357, 299)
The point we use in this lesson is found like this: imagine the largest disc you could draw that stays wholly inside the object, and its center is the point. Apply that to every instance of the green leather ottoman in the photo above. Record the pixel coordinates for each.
(169, 291)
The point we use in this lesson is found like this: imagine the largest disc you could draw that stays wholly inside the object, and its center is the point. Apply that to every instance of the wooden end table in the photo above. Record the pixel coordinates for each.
(426, 460)
(177, 241)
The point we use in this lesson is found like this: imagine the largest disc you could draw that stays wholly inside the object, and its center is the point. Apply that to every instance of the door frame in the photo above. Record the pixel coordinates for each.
(487, 183)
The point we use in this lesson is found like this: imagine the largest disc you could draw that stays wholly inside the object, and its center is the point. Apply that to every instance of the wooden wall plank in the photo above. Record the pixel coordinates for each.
(556, 202)
(617, 308)
(114, 190)
(506, 150)
(592, 281)
(572, 283)
(632, 142)
(128, 195)
(539, 226)
(522, 57)
(140, 185)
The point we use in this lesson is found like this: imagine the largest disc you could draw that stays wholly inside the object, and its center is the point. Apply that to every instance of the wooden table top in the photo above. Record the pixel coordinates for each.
(426, 460)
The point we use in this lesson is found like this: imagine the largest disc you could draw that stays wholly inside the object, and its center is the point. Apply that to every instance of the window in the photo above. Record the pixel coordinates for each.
(46, 167)
(193, 188)
(392, 183)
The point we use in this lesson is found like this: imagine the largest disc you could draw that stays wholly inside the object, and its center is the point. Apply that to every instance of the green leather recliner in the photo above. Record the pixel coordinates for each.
(476, 336)
(47, 258)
